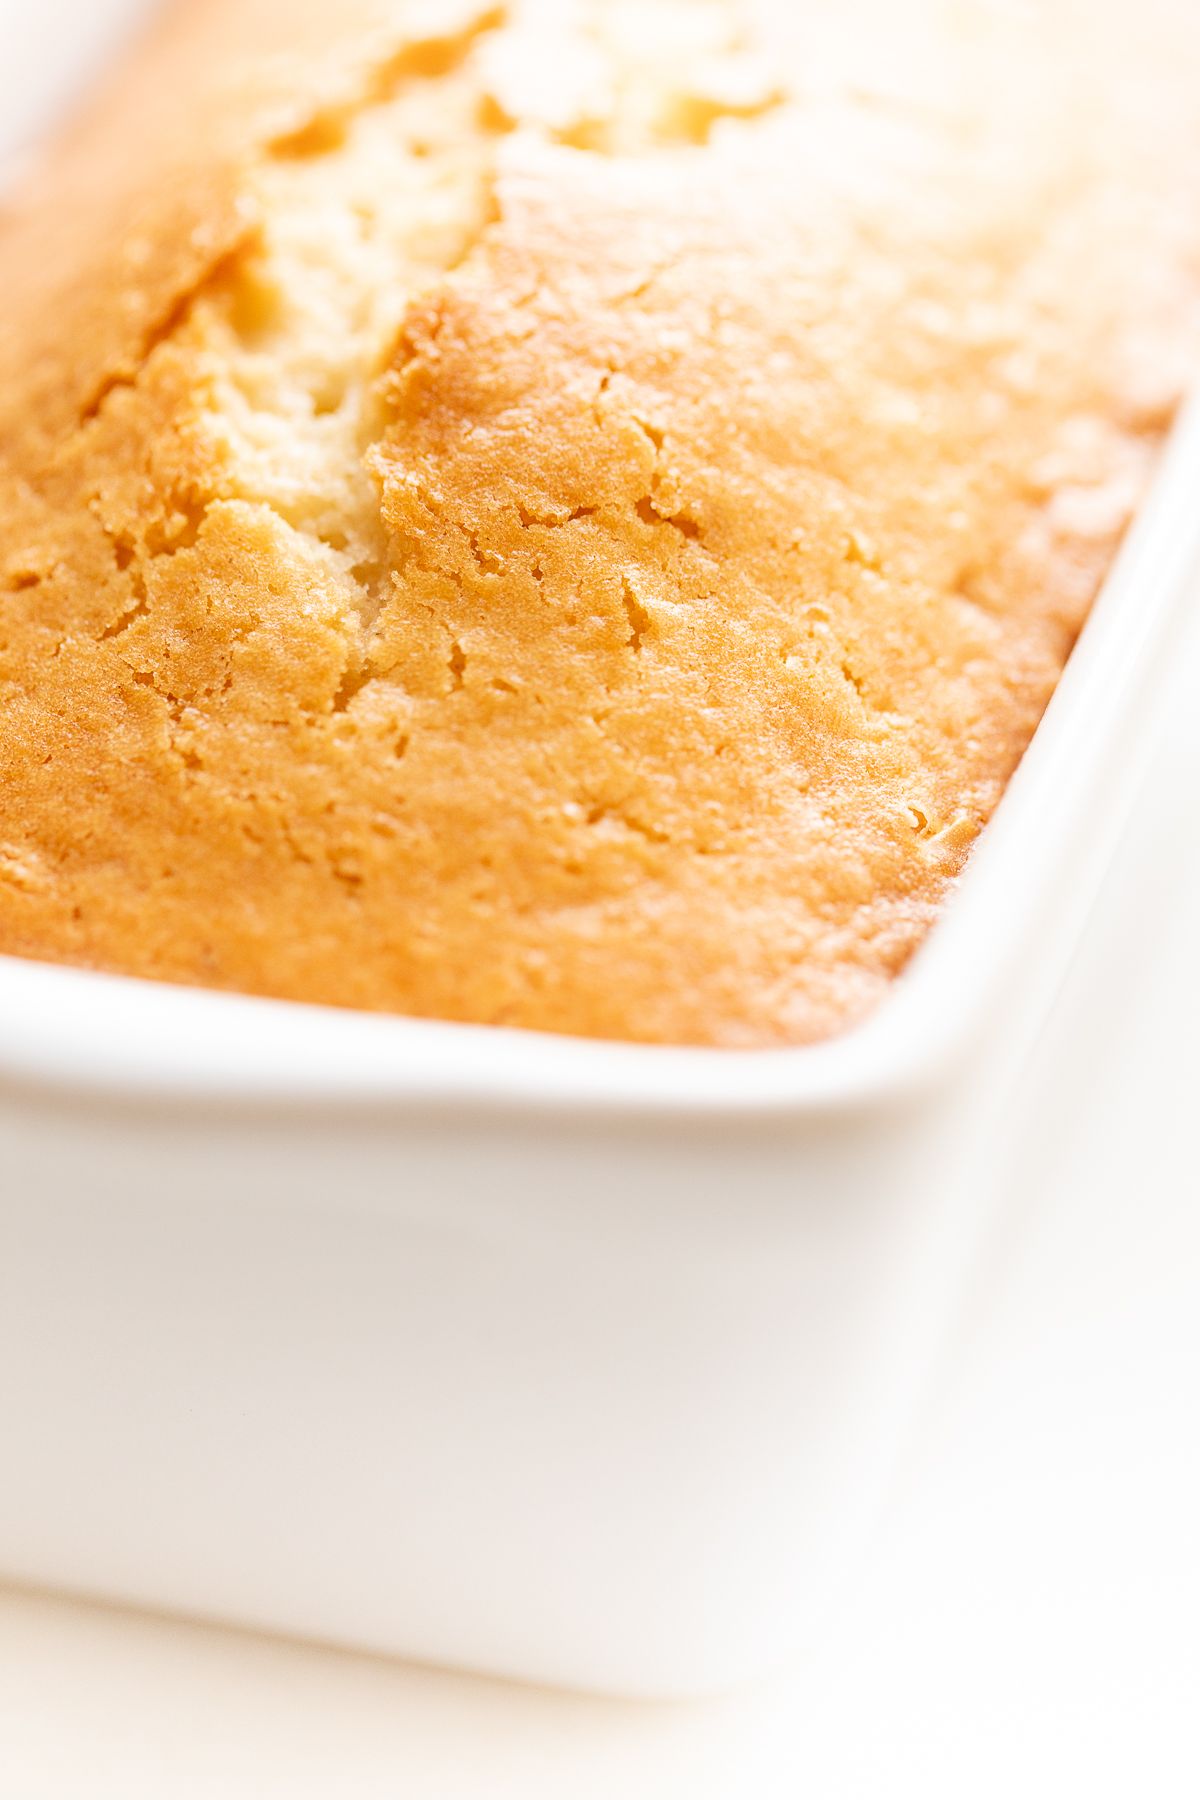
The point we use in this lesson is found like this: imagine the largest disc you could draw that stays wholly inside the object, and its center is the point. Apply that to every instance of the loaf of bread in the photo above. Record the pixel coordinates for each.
(568, 515)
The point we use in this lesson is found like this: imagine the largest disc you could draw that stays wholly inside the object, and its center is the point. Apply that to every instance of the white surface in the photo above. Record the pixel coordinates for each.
(1027, 1623)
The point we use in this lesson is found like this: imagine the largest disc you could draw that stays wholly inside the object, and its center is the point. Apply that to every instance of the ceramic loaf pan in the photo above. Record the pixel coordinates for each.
(576, 1362)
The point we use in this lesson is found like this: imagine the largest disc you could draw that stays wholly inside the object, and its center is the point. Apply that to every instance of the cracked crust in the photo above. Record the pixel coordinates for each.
(495, 530)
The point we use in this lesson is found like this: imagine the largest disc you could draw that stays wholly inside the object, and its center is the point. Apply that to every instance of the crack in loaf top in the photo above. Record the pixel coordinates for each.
(566, 517)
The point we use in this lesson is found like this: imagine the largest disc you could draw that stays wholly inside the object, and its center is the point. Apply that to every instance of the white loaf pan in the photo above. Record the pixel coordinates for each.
(568, 1361)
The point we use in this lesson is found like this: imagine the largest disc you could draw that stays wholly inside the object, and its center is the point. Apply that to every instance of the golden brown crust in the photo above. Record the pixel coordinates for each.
(582, 551)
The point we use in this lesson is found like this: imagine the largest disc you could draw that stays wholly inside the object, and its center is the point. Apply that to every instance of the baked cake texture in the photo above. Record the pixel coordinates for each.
(568, 516)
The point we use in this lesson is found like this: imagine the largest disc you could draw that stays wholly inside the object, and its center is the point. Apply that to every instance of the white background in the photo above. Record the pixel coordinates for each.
(1027, 1621)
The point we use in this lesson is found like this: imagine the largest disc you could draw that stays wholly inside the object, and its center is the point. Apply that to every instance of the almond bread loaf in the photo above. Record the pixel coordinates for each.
(568, 516)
